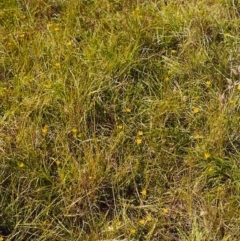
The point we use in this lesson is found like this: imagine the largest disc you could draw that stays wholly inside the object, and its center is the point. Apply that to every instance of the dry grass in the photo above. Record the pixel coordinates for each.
(119, 120)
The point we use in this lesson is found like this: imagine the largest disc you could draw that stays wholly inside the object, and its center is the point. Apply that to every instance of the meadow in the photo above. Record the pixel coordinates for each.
(119, 120)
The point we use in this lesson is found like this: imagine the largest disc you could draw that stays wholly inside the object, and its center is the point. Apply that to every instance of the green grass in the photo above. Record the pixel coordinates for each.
(119, 120)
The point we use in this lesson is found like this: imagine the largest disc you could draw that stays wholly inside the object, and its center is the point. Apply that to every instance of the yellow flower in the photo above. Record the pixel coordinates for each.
(208, 83)
(58, 162)
(210, 170)
(128, 110)
(132, 231)
(45, 130)
(22, 35)
(56, 29)
(69, 43)
(165, 210)
(173, 51)
(118, 223)
(119, 127)
(149, 218)
(20, 164)
(206, 155)
(57, 64)
(139, 141)
(140, 133)
(197, 136)
(195, 110)
(74, 130)
(238, 87)
(144, 192)
(142, 221)
(166, 79)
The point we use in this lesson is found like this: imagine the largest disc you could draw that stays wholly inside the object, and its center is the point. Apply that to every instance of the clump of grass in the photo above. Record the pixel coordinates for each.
(119, 120)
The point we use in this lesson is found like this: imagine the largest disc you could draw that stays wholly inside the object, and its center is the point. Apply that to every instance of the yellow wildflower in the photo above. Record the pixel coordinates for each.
(144, 192)
(45, 130)
(208, 83)
(140, 133)
(74, 130)
(118, 223)
(132, 231)
(195, 110)
(206, 155)
(173, 51)
(128, 110)
(56, 29)
(165, 210)
(57, 64)
(22, 35)
(149, 218)
(119, 127)
(166, 79)
(139, 141)
(197, 136)
(210, 169)
(142, 221)
(69, 43)
(58, 162)
(21, 164)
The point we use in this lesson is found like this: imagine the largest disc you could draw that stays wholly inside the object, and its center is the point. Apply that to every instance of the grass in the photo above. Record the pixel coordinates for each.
(119, 120)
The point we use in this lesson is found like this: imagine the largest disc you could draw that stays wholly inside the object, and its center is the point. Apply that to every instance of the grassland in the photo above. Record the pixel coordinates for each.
(119, 120)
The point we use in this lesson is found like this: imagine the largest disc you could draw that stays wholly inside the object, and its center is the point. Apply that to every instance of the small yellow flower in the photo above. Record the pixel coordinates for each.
(206, 155)
(173, 51)
(118, 223)
(231, 101)
(120, 127)
(45, 130)
(210, 170)
(195, 110)
(238, 87)
(165, 210)
(144, 192)
(137, 9)
(140, 133)
(20, 164)
(69, 43)
(22, 35)
(166, 79)
(58, 162)
(142, 221)
(74, 130)
(9, 43)
(149, 218)
(208, 83)
(139, 141)
(197, 136)
(57, 64)
(220, 189)
(56, 29)
(132, 231)
(227, 34)
(128, 110)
